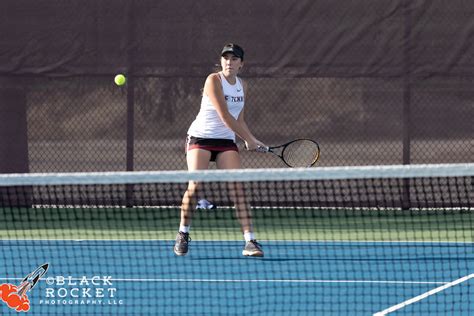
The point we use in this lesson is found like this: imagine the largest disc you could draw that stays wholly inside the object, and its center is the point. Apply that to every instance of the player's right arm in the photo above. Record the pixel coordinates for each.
(213, 89)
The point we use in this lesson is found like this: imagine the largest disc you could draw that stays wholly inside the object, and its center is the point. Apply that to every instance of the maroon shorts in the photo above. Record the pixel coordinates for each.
(214, 145)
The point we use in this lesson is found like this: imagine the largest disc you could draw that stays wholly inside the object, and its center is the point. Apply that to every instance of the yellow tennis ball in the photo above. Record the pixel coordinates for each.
(120, 80)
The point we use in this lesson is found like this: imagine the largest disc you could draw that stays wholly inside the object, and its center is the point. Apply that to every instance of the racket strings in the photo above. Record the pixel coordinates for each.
(301, 153)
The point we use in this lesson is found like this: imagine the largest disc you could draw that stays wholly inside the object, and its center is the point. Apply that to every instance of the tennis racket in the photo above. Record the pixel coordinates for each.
(298, 153)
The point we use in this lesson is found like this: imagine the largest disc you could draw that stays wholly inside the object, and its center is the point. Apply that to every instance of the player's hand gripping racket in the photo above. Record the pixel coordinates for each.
(298, 153)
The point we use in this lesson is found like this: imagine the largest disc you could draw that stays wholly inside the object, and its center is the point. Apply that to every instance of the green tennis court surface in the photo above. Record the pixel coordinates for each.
(271, 224)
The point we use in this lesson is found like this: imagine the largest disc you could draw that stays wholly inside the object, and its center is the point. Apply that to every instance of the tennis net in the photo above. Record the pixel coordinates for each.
(337, 241)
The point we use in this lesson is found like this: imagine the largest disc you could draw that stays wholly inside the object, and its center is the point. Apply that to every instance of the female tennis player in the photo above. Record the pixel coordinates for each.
(211, 137)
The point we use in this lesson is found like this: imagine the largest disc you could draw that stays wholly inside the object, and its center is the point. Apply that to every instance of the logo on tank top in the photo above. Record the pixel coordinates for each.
(234, 99)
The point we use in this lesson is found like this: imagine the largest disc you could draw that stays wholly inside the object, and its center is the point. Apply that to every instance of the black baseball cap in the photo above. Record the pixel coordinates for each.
(234, 49)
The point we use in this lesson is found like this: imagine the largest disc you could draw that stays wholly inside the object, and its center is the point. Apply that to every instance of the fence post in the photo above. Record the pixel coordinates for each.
(13, 131)
(407, 97)
(130, 101)
(130, 121)
(13, 143)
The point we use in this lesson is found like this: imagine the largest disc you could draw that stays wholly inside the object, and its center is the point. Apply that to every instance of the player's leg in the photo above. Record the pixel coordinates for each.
(197, 159)
(231, 160)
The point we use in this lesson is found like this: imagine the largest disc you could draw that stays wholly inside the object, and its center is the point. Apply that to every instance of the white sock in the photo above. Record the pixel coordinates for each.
(184, 229)
(248, 236)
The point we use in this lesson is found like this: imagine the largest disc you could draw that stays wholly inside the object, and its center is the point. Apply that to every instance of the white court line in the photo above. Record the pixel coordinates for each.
(248, 281)
(276, 281)
(401, 242)
(423, 296)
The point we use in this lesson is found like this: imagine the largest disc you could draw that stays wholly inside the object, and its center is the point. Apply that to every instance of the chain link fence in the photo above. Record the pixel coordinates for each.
(90, 124)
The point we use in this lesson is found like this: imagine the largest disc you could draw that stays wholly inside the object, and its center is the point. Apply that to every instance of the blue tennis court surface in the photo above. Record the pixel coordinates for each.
(294, 278)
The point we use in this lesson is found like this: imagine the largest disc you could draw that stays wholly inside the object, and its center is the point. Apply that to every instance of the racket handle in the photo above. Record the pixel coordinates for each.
(262, 149)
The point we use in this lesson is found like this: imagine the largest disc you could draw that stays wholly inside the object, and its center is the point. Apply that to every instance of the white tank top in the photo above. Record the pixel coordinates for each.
(208, 124)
